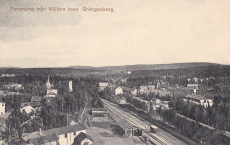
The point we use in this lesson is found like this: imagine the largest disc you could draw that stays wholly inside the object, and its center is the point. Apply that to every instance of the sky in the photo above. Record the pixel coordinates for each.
(136, 32)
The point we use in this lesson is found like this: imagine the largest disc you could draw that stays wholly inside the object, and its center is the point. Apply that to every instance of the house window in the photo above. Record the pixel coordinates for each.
(2, 104)
(74, 133)
(1, 113)
(65, 135)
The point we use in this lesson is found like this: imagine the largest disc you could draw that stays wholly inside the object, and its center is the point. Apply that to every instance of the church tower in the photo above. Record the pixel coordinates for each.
(48, 85)
(70, 86)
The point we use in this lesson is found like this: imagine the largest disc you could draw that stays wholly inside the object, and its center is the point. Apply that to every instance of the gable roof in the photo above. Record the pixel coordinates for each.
(80, 137)
(36, 99)
(124, 124)
(42, 139)
(197, 97)
(67, 129)
(143, 87)
(56, 131)
(99, 109)
(51, 93)
(27, 109)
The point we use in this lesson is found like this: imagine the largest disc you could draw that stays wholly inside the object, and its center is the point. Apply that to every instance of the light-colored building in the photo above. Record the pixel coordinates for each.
(193, 86)
(103, 85)
(50, 91)
(118, 91)
(151, 88)
(2, 108)
(28, 110)
(199, 100)
(15, 87)
(144, 89)
(70, 86)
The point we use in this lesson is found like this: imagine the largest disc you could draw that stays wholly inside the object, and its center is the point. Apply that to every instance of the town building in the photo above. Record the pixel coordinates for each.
(98, 112)
(56, 136)
(9, 93)
(193, 86)
(70, 86)
(126, 128)
(8, 75)
(2, 108)
(118, 91)
(134, 92)
(13, 87)
(199, 100)
(151, 88)
(83, 139)
(50, 91)
(36, 100)
(103, 85)
(29, 111)
(144, 89)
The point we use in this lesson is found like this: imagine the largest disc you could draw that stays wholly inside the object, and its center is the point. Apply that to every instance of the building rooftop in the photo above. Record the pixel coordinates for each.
(80, 137)
(124, 124)
(27, 109)
(42, 139)
(56, 131)
(99, 109)
(36, 99)
(198, 97)
(144, 87)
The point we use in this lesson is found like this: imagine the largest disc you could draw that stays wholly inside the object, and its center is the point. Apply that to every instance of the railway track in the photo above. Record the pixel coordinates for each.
(161, 137)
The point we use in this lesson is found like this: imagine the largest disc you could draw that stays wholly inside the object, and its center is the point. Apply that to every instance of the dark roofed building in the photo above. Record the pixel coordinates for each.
(36, 99)
(50, 139)
(99, 112)
(64, 135)
(82, 139)
(128, 129)
(199, 100)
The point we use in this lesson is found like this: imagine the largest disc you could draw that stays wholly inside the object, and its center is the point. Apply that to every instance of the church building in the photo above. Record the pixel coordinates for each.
(50, 91)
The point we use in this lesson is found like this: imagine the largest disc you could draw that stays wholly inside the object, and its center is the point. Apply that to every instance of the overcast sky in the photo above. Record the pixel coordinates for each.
(137, 32)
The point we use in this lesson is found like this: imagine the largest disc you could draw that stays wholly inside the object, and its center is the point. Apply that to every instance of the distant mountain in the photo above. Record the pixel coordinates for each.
(81, 67)
(109, 70)
(155, 66)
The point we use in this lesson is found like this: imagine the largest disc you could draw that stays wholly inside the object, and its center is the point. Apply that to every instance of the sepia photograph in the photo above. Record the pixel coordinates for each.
(115, 72)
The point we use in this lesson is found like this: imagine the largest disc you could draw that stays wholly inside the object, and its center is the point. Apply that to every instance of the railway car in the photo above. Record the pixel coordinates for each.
(154, 129)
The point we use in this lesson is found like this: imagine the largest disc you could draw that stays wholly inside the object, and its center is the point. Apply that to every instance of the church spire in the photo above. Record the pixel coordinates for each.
(48, 85)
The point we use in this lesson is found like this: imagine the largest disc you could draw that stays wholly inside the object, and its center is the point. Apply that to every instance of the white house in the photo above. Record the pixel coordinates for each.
(70, 86)
(15, 87)
(118, 91)
(103, 85)
(51, 93)
(28, 110)
(144, 89)
(2, 108)
(193, 86)
(199, 100)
